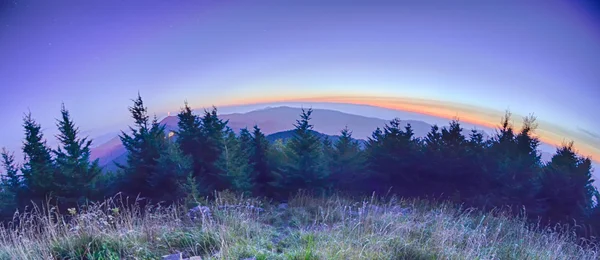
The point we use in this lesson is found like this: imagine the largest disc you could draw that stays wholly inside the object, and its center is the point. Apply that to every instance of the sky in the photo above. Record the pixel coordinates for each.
(471, 59)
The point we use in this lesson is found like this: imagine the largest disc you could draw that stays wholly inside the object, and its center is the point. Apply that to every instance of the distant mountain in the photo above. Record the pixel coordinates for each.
(330, 122)
(286, 135)
(271, 121)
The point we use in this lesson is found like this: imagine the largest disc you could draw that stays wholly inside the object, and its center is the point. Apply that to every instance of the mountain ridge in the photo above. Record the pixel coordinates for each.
(280, 119)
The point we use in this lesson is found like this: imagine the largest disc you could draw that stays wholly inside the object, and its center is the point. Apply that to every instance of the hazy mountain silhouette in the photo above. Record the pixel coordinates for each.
(286, 135)
(275, 120)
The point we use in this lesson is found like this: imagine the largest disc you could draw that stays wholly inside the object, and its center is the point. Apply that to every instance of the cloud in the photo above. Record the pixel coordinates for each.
(586, 142)
(589, 133)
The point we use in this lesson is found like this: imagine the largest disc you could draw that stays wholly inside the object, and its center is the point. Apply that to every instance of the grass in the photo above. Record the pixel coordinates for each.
(308, 228)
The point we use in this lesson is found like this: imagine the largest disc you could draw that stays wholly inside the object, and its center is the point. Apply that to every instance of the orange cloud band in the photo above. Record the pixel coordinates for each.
(546, 132)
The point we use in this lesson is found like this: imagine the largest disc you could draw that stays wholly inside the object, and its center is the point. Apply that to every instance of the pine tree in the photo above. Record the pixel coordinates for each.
(567, 186)
(144, 146)
(11, 178)
(347, 162)
(11, 189)
(393, 157)
(516, 167)
(305, 169)
(190, 139)
(38, 168)
(245, 141)
(233, 165)
(278, 161)
(328, 151)
(263, 177)
(213, 133)
(76, 175)
(454, 176)
(171, 175)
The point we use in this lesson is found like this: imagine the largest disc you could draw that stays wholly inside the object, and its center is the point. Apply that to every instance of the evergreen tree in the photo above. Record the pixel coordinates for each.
(259, 159)
(10, 186)
(76, 176)
(245, 142)
(11, 177)
(171, 175)
(393, 154)
(567, 188)
(190, 139)
(347, 162)
(213, 133)
(233, 165)
(278, 161)
(144, 146)
(305, 169)
(328, 151)
(38, 168)
(516, 167)
(455, 173)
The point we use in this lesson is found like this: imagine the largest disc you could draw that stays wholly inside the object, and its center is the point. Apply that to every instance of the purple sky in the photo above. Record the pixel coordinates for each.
(529, 56)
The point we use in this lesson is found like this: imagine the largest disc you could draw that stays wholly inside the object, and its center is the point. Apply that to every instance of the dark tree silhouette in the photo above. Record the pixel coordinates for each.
(75, 175)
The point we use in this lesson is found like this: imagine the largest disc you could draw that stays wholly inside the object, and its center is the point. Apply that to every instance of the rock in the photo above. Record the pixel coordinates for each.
(237, 207)
(200, 212)
(282, 206)
(172, 257)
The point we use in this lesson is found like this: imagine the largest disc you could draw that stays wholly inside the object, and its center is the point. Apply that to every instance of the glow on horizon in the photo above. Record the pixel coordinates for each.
(547, 132)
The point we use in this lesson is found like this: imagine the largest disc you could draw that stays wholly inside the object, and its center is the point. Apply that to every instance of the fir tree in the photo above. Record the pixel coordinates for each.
(327, 157)
(171, 175)
(515, 168)
(393, 156)
(76, 176)
(144, 146)
(347, 162)
(233, 165)
(454, 176)
(567, 188)
(10, 186)
(11, 179)
(246, 142)
(38, 168)
(259, 158)
(278, 161)
(190, 138)
(213, 134)
(306, 169)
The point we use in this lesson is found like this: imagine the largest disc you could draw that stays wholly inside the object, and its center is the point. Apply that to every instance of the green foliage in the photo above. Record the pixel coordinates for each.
(172, 171)
(38, 169)
(305, 168)
(10, 185)
(144, 146)
(190, 138)
(567, 186)
(205, 155)
(233, 165)
(76, 177)
(213, 133)
(263, 176)
(393, 157)
(87, 247)
(346, 162)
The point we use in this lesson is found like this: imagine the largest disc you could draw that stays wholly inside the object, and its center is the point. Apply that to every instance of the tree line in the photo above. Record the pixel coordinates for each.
(205, 155)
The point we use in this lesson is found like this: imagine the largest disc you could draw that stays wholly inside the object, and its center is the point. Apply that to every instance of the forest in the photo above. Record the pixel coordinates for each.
(205, 155)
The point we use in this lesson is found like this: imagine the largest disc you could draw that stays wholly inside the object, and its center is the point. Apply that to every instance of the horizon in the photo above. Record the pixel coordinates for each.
(438, 59)
(363, 110)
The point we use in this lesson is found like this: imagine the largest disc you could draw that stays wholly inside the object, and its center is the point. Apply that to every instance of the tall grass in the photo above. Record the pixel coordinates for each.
(309, 227)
